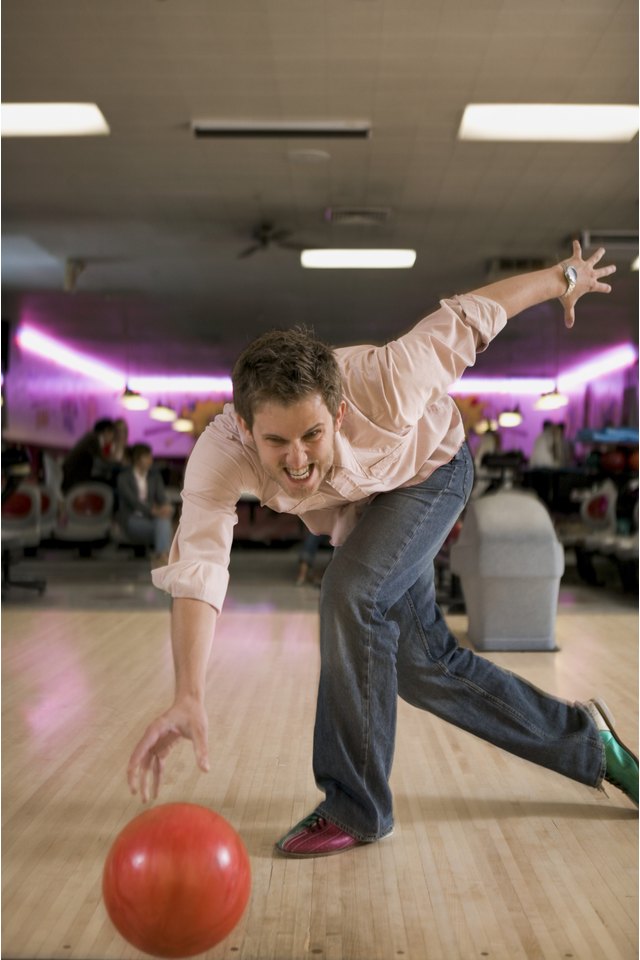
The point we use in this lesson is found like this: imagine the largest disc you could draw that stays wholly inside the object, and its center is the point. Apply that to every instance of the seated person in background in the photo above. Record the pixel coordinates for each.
(544, 449)
(16, 467)
(307, 558)
(563, 446)
(118, 451)
(88, 460)
(144, 512)
(485, 478)
(489, 443)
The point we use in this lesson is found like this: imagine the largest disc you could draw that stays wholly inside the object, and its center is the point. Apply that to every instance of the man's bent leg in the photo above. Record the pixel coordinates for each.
(396, 538)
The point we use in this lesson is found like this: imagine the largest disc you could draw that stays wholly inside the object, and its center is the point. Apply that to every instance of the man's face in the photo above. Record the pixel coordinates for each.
(295, 442)
(144, 462)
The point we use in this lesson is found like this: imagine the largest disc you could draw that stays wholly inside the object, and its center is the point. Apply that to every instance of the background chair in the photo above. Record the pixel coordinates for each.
(48, 511)
(20, 529)
(86, 514)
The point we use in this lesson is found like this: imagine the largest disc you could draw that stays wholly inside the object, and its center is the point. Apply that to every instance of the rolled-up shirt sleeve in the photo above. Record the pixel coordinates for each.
(395, 383)
(199, 557)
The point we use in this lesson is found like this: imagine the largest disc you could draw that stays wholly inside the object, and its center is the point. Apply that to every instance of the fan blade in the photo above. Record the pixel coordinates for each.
(249, 251)
(292, 245)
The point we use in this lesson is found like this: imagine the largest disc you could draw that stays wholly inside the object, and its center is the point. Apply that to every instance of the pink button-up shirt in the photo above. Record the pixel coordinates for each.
(400, 426)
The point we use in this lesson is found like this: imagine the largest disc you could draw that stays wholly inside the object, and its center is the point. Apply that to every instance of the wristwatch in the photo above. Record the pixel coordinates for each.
(571, 276)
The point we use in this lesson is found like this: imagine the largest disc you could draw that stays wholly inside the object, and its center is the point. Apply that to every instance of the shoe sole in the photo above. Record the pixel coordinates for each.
(603, 709)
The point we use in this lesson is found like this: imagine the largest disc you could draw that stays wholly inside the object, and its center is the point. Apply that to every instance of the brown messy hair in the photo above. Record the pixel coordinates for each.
(285, 366)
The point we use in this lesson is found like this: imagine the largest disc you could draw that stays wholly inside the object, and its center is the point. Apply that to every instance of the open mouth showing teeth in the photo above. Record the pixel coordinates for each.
(300, 474)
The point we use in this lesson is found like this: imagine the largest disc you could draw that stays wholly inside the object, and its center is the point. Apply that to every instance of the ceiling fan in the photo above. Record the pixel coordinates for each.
(265, 235)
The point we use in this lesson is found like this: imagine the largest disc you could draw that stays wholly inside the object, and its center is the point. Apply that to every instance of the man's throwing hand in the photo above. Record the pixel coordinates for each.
(186, 719)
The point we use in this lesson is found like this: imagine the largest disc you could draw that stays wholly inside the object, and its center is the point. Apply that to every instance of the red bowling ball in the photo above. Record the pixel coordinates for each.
(176, 880)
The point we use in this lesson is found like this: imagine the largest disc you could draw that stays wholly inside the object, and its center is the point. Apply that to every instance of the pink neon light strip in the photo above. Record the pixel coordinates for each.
(607, 362)
(617, 358)
(47, 347)
(33, 341)
(187, 384)
(523, 386)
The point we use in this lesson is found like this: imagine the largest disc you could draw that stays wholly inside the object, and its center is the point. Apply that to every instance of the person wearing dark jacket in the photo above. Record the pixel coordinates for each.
(144, 511)
(88, 460)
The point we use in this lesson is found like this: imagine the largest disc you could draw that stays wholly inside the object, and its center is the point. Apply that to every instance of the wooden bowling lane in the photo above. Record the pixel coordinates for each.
(491, 856)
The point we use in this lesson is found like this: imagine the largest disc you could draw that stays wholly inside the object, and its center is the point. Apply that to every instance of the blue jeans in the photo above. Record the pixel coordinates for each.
(310, 546)
(382, 635)
(155, 532)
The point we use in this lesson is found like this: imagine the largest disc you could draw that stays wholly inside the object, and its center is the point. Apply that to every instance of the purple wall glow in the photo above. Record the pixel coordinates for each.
(54, 394)
(52, 407)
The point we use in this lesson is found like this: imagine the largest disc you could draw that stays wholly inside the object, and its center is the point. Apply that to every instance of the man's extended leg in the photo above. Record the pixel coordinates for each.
(473, 693)
(382, 633)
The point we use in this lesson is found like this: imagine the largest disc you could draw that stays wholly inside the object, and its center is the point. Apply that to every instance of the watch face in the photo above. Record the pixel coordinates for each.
(571, 274)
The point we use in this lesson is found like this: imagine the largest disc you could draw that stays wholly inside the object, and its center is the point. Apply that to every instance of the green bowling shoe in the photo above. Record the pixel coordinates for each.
(621, 763)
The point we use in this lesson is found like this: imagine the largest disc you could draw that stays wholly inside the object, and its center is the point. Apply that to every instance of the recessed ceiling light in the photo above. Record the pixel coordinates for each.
(53, 120)
(550, 121)
(332, 259)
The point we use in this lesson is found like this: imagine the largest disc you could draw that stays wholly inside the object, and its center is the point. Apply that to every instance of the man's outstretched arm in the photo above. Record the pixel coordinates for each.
(516, 294)
(192, 627)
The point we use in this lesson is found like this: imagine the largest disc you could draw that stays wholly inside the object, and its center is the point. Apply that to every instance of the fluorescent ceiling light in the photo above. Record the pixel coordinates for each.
(341, 129)
(52, 120)
(615, 123)
(331, 259)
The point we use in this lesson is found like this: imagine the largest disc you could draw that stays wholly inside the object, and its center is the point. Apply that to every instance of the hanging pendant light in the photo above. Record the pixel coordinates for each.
(183, 425)
(132, 400)
(510, 418)
(552, 400)
(163, 412)
(486, 424)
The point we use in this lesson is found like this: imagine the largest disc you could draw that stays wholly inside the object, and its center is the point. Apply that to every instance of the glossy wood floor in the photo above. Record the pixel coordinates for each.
(491, 856)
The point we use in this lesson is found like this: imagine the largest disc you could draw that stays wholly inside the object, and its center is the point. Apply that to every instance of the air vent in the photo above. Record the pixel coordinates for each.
(321, 129)
(610, 240)
(499, 267)
(357, 216)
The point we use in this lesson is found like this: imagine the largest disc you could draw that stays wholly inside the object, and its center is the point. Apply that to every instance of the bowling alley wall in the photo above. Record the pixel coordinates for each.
(51, 406)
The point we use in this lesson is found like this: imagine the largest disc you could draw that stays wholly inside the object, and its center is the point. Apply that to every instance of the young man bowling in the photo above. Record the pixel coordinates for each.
(365, 444)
